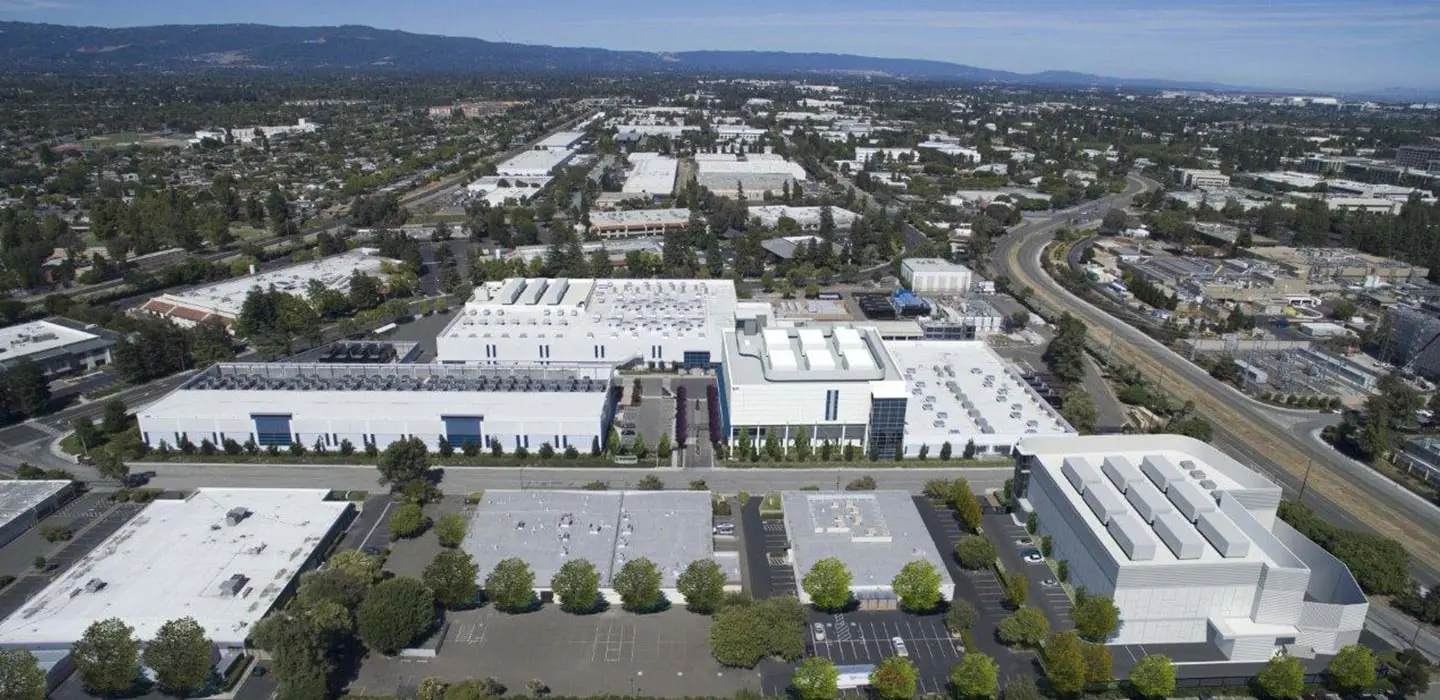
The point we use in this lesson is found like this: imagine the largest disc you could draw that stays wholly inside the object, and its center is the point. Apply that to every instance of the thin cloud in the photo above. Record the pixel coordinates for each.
(34, 5)
(1318, 18)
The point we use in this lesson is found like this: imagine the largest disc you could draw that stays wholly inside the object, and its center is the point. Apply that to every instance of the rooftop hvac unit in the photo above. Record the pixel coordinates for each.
(233, 585)
(94, 585)
(235, 515)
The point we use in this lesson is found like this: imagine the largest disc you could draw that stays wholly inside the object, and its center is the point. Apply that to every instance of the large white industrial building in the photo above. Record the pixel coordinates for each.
(728, 173)
(612, 321)
(529, 362)
(534, 163)
(224, 556)
(807, 218)
(277, 404)
(934, 275)
(873, 533)
(545, 529)
(1186, 541)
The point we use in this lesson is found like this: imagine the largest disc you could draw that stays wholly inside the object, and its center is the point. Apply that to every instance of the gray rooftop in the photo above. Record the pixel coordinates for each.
(874, 533)
(279, 376)
(607, 528)
(18, 497)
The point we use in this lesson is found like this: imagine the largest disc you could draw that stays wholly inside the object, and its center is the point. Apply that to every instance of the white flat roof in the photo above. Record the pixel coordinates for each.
(1178, 488)
(754, 164)
(621, 217)
(961, 389)
(607, 528)
(655, 176)
(171, 561)
(594, 309)
(18, 497)
(37, 336)
(932, 265)
(541, 161)
(227, 298)
(561, 140)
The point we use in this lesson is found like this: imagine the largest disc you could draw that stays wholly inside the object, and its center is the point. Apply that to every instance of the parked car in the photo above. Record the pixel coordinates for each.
(1033, 556)
(1049, 583)
(819, 632)
(725, 528)
(899, 646)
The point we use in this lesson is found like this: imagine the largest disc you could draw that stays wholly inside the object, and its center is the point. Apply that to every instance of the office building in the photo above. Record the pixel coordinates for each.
(58, 346)
(546, 529)
(1419, 157)
(873, 533)
(24, 503)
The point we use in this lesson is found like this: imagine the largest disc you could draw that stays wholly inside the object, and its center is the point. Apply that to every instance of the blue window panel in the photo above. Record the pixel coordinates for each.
(696, 358)
(462, 430)
(272, 429)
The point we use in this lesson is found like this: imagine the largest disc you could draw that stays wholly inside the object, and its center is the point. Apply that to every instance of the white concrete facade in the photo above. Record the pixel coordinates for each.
(327, 404)
(1187, 543)
(934, 275)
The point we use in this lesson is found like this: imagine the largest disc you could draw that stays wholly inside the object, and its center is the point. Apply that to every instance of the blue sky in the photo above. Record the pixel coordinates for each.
(1305, 44)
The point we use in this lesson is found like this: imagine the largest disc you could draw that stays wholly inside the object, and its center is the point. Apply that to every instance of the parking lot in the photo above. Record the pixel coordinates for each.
(1010, 538)
(780, 571)
(866, 637)
(614, 652)
(92, 517)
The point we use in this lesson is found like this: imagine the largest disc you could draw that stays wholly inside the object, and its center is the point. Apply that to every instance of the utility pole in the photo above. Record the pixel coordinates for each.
(1304, 481)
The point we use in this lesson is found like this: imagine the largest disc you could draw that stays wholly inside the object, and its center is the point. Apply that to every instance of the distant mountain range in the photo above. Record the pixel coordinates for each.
(50, 48)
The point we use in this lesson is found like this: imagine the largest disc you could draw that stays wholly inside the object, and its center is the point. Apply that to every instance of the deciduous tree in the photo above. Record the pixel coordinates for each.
(1153, 676)
(107, 656)
(815, 679)
(394, 614)
(894, 678)
(703, 585)
(403, 461)
(828, 584)
(975, 552)
(452, 577)
(918, 586)
(1353, 669)
(451, 529)
(638, 584)
(511, 585)
(577, 586)
(181, 656)
(1096, 617)
(976, 676)
(1027, 627)
(20, 675)
(1064, 658)
(1282, 677)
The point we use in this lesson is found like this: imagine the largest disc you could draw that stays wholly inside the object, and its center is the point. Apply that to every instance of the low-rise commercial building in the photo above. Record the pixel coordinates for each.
(1421, 457)
(223, 556)
(1419, 157)
(873, 533)
(1186, 541)
(57, 345)
(24, 503)
(546, 529)
(534, 163)
(633, 223)
(728, 174)
(651, 175)
(807, 218)
(1203, 179)
(223, 301)
(1340, 265)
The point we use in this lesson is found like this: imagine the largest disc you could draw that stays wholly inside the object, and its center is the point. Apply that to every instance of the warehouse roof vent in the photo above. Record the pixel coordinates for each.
(236, 515)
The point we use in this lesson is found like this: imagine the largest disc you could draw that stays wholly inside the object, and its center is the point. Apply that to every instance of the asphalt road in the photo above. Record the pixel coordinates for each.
(459, 480)
(1278, 442)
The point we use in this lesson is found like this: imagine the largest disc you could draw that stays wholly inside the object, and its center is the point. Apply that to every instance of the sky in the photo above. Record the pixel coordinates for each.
(1320, 45)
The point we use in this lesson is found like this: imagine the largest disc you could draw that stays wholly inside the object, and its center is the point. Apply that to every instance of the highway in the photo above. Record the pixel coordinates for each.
(1278, 442)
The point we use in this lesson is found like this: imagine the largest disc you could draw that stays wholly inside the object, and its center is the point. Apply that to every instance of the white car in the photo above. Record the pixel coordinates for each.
(819, 632)
(899, 646)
